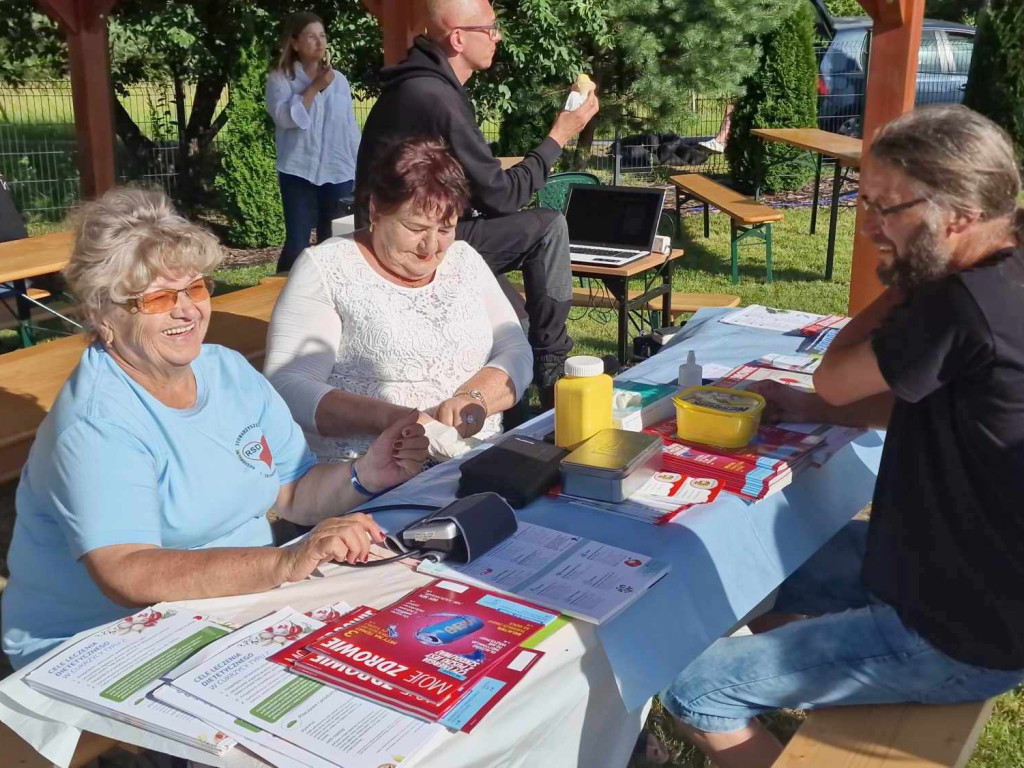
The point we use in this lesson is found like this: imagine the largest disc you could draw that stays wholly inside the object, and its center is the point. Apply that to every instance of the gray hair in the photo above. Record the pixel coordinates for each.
(962, 161)
(124, 240)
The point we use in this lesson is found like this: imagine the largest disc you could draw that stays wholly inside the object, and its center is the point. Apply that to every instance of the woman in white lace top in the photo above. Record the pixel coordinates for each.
(400, 316)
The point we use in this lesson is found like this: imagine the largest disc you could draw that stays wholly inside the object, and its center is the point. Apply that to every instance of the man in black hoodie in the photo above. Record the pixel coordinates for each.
(424, 95)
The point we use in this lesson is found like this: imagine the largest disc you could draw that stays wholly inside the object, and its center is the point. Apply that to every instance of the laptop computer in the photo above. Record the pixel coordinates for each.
(611, 226)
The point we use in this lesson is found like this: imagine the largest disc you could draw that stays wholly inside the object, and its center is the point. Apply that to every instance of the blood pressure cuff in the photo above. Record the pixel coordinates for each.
(483, 520)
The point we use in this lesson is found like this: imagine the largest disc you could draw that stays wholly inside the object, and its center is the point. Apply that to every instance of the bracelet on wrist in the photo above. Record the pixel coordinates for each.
(475, 394)
(359, 487)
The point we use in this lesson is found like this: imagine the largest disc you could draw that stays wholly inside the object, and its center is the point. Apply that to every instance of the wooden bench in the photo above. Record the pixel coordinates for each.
(682, 303)
(31, 378)
(892, 736)
(748, 218)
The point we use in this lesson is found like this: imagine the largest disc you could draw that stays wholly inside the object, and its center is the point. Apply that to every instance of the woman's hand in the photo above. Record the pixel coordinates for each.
(463, 412)
(340, 539)
(395, 456)
(324, 78)
(786, 403)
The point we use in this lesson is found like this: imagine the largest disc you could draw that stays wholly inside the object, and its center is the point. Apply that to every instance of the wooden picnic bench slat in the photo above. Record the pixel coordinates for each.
(30, 379)
(887, 736)
(736, 205)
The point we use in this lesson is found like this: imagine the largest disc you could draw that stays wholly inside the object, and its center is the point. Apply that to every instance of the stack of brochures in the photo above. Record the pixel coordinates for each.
(446, 653)
(284, 717)
(115, 670)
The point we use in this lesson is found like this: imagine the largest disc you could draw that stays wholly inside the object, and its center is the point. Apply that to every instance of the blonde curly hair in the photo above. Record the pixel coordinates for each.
(124, 240)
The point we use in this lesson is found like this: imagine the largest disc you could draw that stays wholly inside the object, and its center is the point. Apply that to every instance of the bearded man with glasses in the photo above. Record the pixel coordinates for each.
(425, 96)
(924, 602)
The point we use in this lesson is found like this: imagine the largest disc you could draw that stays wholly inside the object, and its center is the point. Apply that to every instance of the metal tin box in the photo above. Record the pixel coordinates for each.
(611, 465)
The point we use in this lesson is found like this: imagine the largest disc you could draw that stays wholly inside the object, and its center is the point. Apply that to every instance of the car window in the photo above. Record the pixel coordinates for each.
(928, 59)
(844, 54)
(962, 45)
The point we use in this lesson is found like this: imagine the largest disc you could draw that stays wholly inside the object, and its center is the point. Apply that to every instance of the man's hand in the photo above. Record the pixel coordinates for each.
(340, 539)
(786, 403)
(463, 412)
(395, 456)
(569, 124)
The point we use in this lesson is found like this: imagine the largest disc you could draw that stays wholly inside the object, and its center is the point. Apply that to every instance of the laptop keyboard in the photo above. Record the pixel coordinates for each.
(612, 252)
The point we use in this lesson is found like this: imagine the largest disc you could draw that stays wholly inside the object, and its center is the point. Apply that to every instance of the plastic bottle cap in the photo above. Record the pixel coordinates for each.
(582, 366)
(691, 358)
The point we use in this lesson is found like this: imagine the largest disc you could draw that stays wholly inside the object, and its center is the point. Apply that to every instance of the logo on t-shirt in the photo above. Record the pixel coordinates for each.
(253, 450)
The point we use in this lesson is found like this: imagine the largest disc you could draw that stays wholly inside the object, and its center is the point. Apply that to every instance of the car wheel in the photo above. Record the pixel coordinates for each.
(851, 127)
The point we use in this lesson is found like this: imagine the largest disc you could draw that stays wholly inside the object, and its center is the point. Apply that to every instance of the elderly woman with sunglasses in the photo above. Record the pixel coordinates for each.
(151, 477)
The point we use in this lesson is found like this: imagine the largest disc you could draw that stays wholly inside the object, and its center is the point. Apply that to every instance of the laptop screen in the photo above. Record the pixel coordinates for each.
(616, 217)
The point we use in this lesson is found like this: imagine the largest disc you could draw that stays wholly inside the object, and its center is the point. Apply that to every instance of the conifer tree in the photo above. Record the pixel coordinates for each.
(995, 86)
(781, 93)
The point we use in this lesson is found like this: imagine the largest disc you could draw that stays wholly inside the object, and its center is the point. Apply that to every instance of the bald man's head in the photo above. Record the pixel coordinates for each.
(445, 15)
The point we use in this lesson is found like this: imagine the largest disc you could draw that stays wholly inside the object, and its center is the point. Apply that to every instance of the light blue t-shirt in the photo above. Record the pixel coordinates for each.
(113, 465)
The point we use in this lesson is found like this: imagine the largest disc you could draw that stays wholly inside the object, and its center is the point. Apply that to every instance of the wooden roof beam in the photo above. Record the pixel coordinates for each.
(891, 82)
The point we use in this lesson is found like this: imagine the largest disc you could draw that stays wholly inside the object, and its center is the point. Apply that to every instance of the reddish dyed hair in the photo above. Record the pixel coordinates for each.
(417, 169)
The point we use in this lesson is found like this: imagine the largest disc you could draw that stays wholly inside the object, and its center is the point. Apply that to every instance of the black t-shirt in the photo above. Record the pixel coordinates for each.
(12, 226)
(946, 541)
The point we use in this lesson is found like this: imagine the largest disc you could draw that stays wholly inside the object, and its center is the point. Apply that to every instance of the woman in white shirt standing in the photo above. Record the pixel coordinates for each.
(316, 132)
(399, 317)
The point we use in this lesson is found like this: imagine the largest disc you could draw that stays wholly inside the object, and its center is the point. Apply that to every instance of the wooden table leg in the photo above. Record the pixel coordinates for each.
(833, 220)
(623, 298)
(666, 300)
(24, 313)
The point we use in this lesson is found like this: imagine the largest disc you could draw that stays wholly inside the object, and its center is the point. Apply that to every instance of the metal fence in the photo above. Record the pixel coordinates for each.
(38, 147)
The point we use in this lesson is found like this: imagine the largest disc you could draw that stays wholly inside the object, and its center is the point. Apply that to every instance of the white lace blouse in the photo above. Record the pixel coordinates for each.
(339, 324)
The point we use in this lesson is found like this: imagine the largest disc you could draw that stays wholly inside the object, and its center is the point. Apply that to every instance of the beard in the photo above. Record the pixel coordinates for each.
(924, 258)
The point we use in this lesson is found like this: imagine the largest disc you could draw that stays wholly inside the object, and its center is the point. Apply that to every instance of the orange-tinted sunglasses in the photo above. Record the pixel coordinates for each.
(158, 302)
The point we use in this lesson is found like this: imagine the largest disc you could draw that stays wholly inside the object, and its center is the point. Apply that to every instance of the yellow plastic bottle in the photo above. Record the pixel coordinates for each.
(583, 401)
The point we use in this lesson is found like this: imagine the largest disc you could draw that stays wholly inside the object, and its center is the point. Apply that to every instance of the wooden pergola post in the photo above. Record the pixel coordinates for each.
(85, 26)
(400, 22)
(891, 82)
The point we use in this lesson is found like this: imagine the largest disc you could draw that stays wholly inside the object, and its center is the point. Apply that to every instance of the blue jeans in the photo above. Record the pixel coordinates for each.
(854, 651)
(307, 205)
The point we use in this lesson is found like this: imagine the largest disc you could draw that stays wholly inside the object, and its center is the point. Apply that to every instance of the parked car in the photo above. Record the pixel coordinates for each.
(943, 63)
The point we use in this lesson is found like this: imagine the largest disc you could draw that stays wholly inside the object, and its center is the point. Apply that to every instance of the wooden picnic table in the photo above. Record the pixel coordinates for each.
(617, 280)
(21, 260)
(844, 150)
(31, 378)
(34, 256)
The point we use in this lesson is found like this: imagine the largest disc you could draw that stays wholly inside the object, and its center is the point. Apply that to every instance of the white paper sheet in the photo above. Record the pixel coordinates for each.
(770, 319)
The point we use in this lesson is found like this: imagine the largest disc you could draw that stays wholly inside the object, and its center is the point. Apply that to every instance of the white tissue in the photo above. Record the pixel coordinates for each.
(445, 442)
(622, 399)
(575, 101)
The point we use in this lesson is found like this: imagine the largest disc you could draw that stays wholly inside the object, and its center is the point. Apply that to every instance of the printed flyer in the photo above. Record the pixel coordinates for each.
(337, 726)
(575, 576)
(114, 670)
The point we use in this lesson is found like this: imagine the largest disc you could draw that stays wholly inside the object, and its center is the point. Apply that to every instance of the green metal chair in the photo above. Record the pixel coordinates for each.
(555, 193)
